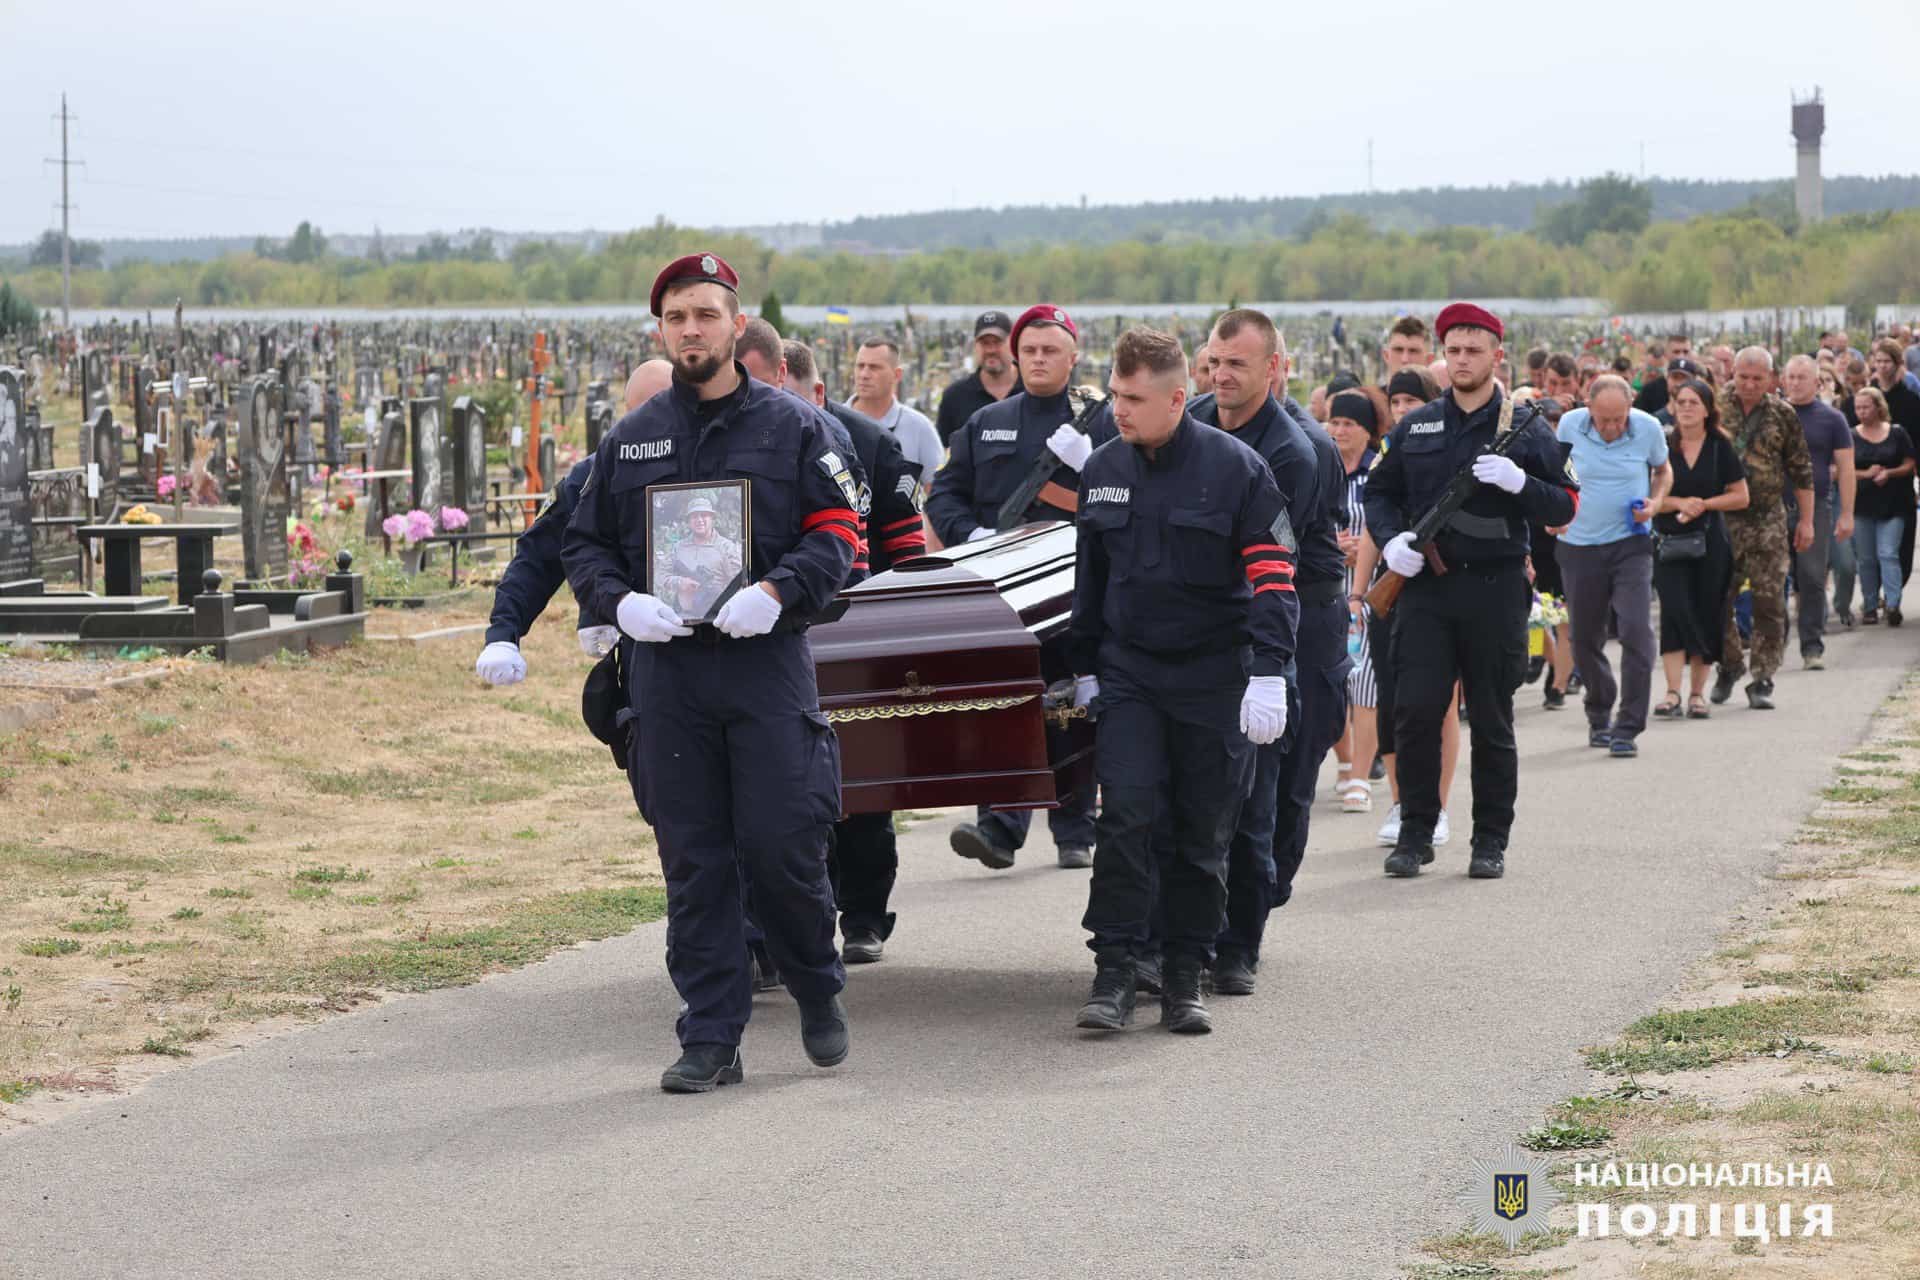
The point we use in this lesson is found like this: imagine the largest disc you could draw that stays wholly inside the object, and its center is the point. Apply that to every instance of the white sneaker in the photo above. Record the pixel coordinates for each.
(1442, 830)
(1390, 829)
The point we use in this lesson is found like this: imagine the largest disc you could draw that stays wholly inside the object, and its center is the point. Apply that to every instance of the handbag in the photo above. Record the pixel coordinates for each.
(1675, 548)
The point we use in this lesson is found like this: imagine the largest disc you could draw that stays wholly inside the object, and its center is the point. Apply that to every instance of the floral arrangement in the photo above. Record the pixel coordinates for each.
(166, 485)
(344, 502)
(1548, 611)
(453, 519)
(140, 515)
(409, 528)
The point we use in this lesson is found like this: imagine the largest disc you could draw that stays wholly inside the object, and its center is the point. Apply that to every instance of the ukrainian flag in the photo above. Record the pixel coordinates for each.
(838, 315)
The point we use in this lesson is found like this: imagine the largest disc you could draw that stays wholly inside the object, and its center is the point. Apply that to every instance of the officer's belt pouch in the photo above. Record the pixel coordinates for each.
(1486, 528)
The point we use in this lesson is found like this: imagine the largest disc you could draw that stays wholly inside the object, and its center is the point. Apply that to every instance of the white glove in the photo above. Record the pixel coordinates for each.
(1501, 473)
(1402, 558)
(981, 532)
(1070, 446)
(501, 663)
(595, 642)
(1263, 711)
(751, 611)
(1085, 690)
(647, 618)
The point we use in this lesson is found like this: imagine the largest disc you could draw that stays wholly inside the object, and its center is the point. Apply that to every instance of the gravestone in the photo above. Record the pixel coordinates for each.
(424, 421)
(98, 394)
(39, 440)
(16, 508)
(336, 444)
(145, 429)
(390, 454)
(470, 462)
(57, 495)
(366, 384)
(265, 499)
(100, 444)
(306, 404)
(599, 414)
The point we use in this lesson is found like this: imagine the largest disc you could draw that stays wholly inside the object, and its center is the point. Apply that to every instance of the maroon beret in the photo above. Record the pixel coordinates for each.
(710, 267)
(1468, 314)
(1042, 313)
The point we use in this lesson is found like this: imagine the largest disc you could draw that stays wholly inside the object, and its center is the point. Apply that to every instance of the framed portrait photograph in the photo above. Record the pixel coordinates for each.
(699, 540)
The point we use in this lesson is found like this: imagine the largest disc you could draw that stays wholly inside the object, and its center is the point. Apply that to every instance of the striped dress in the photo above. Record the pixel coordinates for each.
(1361, 691)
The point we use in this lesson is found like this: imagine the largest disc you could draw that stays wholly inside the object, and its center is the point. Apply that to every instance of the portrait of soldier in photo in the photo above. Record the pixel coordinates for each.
(696, 547)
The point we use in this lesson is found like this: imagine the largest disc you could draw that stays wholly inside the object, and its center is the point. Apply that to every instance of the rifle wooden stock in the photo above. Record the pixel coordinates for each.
(1386, 590)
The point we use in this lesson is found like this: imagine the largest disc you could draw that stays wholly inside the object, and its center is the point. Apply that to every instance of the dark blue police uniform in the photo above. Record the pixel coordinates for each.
(733, 763)
(986, 461)
(536, 572)
(1270, 841)
(1183, 588)
(1469, 624)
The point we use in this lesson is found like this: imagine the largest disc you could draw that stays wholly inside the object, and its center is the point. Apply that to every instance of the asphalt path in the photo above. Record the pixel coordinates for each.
(1401, 1029)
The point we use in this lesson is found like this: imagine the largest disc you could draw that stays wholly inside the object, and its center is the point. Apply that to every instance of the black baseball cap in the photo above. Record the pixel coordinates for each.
(993, 322)
(1683, 364)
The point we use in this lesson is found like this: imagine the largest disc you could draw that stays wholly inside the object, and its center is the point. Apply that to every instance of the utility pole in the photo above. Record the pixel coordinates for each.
(66, 239)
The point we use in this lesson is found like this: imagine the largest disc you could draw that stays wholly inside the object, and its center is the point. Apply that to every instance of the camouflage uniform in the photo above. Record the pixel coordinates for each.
(1774, 450)
(701, 570)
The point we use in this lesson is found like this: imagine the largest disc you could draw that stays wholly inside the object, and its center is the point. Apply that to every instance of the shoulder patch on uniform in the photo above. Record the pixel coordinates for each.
(837, 471)
(909, 488)
(1283, 532)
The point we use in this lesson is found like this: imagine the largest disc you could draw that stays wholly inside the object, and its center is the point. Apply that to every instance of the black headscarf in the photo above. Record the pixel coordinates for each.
(1407, 382)
(1351, 404)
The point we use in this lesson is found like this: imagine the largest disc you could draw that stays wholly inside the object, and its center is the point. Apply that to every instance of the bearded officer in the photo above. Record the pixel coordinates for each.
(1464, 616)
(989, 458)
(535, 572)
(733, 763)
(1183, 627)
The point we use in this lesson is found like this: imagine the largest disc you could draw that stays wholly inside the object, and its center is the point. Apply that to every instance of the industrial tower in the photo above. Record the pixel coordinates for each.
(1809, 122)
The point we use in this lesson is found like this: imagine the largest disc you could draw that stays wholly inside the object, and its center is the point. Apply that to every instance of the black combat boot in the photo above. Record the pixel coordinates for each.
(862, 945)
(1723, 686)
(1489, 858)
(1109, 1005)
(1760, 695)
(703, 1068)
(823, 1032)
(1233, 974)
(1181, 1009)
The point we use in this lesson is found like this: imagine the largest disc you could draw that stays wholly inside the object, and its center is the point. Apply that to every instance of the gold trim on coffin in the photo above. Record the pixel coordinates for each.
(899, 711)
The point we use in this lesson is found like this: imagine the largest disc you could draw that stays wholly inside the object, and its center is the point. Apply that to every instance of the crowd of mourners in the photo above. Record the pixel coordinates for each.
(1732, 499)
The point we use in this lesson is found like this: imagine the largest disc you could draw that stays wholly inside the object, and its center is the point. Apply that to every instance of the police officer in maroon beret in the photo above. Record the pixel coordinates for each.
(1463, 613)
(732, 761)
(987, 460)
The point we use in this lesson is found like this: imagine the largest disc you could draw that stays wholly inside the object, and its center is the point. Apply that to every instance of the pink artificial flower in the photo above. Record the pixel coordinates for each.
(419, 525)
(394, 526)
(453, 519)
(166, 485)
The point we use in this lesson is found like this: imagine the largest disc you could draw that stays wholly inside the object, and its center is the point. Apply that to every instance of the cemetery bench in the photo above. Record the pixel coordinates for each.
(455, 541)
(121, 563)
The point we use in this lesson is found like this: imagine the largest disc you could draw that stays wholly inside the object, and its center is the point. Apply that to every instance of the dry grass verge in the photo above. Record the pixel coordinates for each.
(239, 844)
(1798, 1041)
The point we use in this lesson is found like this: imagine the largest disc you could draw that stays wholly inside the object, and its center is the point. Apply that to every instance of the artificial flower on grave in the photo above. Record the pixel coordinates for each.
(344, 502)
(409, 528)
(140, 515)
(301, 541)
(453, 519)
(165, 486)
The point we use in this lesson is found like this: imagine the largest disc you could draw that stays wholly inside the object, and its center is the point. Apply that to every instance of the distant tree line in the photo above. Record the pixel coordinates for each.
(1600, 243)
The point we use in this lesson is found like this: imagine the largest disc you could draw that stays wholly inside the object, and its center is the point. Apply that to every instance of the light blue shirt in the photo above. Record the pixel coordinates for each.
(1612, 476)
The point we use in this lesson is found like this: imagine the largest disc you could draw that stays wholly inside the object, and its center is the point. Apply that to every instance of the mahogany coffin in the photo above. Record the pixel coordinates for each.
(935, 678)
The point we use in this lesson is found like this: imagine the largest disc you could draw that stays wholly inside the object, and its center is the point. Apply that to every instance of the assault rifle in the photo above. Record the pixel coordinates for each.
(1039, 485)
(1386, 589)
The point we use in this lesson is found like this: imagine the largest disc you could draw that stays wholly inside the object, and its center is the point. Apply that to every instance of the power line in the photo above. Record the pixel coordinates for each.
(66, 214)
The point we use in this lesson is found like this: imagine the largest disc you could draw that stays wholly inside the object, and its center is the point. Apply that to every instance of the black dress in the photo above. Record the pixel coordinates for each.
(1693, 593)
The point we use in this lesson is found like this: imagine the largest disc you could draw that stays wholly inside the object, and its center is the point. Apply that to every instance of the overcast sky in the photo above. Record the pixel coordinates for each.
(205, 117)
